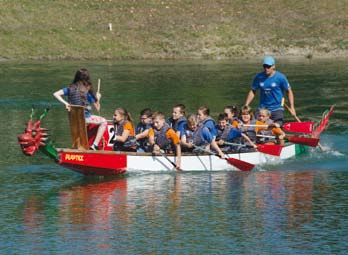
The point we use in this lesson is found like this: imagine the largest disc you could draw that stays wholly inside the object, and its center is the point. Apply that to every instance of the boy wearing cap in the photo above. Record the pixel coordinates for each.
(272, 85)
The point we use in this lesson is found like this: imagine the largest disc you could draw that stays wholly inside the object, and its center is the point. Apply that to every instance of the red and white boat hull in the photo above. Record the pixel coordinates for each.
(113, 163)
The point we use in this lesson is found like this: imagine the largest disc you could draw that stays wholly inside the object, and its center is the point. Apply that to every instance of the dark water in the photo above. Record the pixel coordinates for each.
(297, 207)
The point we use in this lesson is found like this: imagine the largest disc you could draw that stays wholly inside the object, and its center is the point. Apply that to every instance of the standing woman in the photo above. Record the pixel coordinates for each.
(81, 92)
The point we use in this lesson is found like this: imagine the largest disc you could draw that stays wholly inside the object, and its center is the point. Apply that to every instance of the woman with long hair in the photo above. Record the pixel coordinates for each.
(81, 92)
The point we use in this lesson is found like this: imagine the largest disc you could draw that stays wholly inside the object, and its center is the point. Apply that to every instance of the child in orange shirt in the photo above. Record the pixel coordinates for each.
(163, 137)
(271, 129)
(124, 131)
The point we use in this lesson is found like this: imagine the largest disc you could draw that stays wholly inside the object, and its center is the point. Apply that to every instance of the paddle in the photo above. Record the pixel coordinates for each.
(323, 123)
(163, 154)
(237, 163)
(296, 139)
(296, 127)
(98, 92)
(309, 141)
(272, 149)
(299, 127)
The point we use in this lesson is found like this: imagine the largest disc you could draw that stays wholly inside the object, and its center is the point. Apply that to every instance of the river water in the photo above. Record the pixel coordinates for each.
(297, 207)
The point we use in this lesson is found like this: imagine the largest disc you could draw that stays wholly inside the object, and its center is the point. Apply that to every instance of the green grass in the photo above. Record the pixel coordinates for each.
(143, 29)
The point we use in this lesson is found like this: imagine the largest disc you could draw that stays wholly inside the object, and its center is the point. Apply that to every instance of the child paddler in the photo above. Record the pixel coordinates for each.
(187, 137)
(266, 129)
(223, 128)
(81, 92)
(206, 132)
(243, 131)
(142, 130)
(232, 113)
(124, 132)
(178, 120)
(163, 138)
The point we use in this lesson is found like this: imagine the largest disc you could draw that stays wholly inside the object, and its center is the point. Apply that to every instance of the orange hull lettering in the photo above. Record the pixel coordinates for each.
(73, 157)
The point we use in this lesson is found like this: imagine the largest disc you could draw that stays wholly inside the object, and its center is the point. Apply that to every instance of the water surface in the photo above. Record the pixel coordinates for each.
(296, 207)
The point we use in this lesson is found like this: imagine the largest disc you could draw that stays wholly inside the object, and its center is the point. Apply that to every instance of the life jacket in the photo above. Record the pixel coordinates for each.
(174, 124)
(189, 139)
(189, 135)
(223, 134)
(266, 132)
(249, 131)
(197, 135)
(129, 145)
(161, 138)
(233, 119)
(78, 96)
(143, 142)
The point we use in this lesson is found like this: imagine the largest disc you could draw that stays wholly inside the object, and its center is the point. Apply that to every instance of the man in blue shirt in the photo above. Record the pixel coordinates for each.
(272, 85)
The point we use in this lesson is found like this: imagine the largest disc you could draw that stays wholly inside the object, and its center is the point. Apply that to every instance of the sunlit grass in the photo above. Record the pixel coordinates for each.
(65, 29)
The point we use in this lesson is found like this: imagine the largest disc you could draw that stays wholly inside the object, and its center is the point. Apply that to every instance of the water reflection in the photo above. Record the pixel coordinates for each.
(225, 208)
(299, 201)
(93, 204)
(283, 199)
(97, 204)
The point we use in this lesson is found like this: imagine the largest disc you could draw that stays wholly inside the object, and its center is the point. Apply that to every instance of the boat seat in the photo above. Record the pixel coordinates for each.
(78, 128)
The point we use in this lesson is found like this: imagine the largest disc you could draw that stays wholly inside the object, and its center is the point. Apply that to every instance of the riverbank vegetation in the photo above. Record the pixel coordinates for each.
(146, 29)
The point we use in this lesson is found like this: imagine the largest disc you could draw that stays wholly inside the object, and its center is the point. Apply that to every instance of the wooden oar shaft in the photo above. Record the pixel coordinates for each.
(236, 144)
(98, 90)
(255, 125)
(292, 113)
(267, 136)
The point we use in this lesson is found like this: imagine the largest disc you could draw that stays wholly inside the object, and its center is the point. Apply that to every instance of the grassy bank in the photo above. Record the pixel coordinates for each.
(63, 29)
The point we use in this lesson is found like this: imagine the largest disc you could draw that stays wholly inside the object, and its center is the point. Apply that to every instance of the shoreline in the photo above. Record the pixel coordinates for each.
(173, 30)
(293, 53)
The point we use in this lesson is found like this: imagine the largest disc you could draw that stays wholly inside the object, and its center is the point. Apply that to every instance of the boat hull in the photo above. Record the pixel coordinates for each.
(106, 163)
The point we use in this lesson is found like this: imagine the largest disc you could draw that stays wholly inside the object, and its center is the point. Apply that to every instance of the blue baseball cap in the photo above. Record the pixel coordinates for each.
(268, 60)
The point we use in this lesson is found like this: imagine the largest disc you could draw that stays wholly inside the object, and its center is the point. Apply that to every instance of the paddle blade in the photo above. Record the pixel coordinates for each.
(323, 123)
(299, 127)
(309, 141)
(272, 149)
(240, 164)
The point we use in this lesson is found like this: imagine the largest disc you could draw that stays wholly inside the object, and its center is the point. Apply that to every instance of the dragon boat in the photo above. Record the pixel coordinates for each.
(106, 162)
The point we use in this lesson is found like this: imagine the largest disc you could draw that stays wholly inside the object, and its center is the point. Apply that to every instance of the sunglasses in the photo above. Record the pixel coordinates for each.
(267, 66)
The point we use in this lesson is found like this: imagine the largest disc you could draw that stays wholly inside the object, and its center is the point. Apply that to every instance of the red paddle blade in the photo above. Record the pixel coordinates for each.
(323, 123)
(240, 164)
(272, 149)
(309, 141)
(299, 127)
